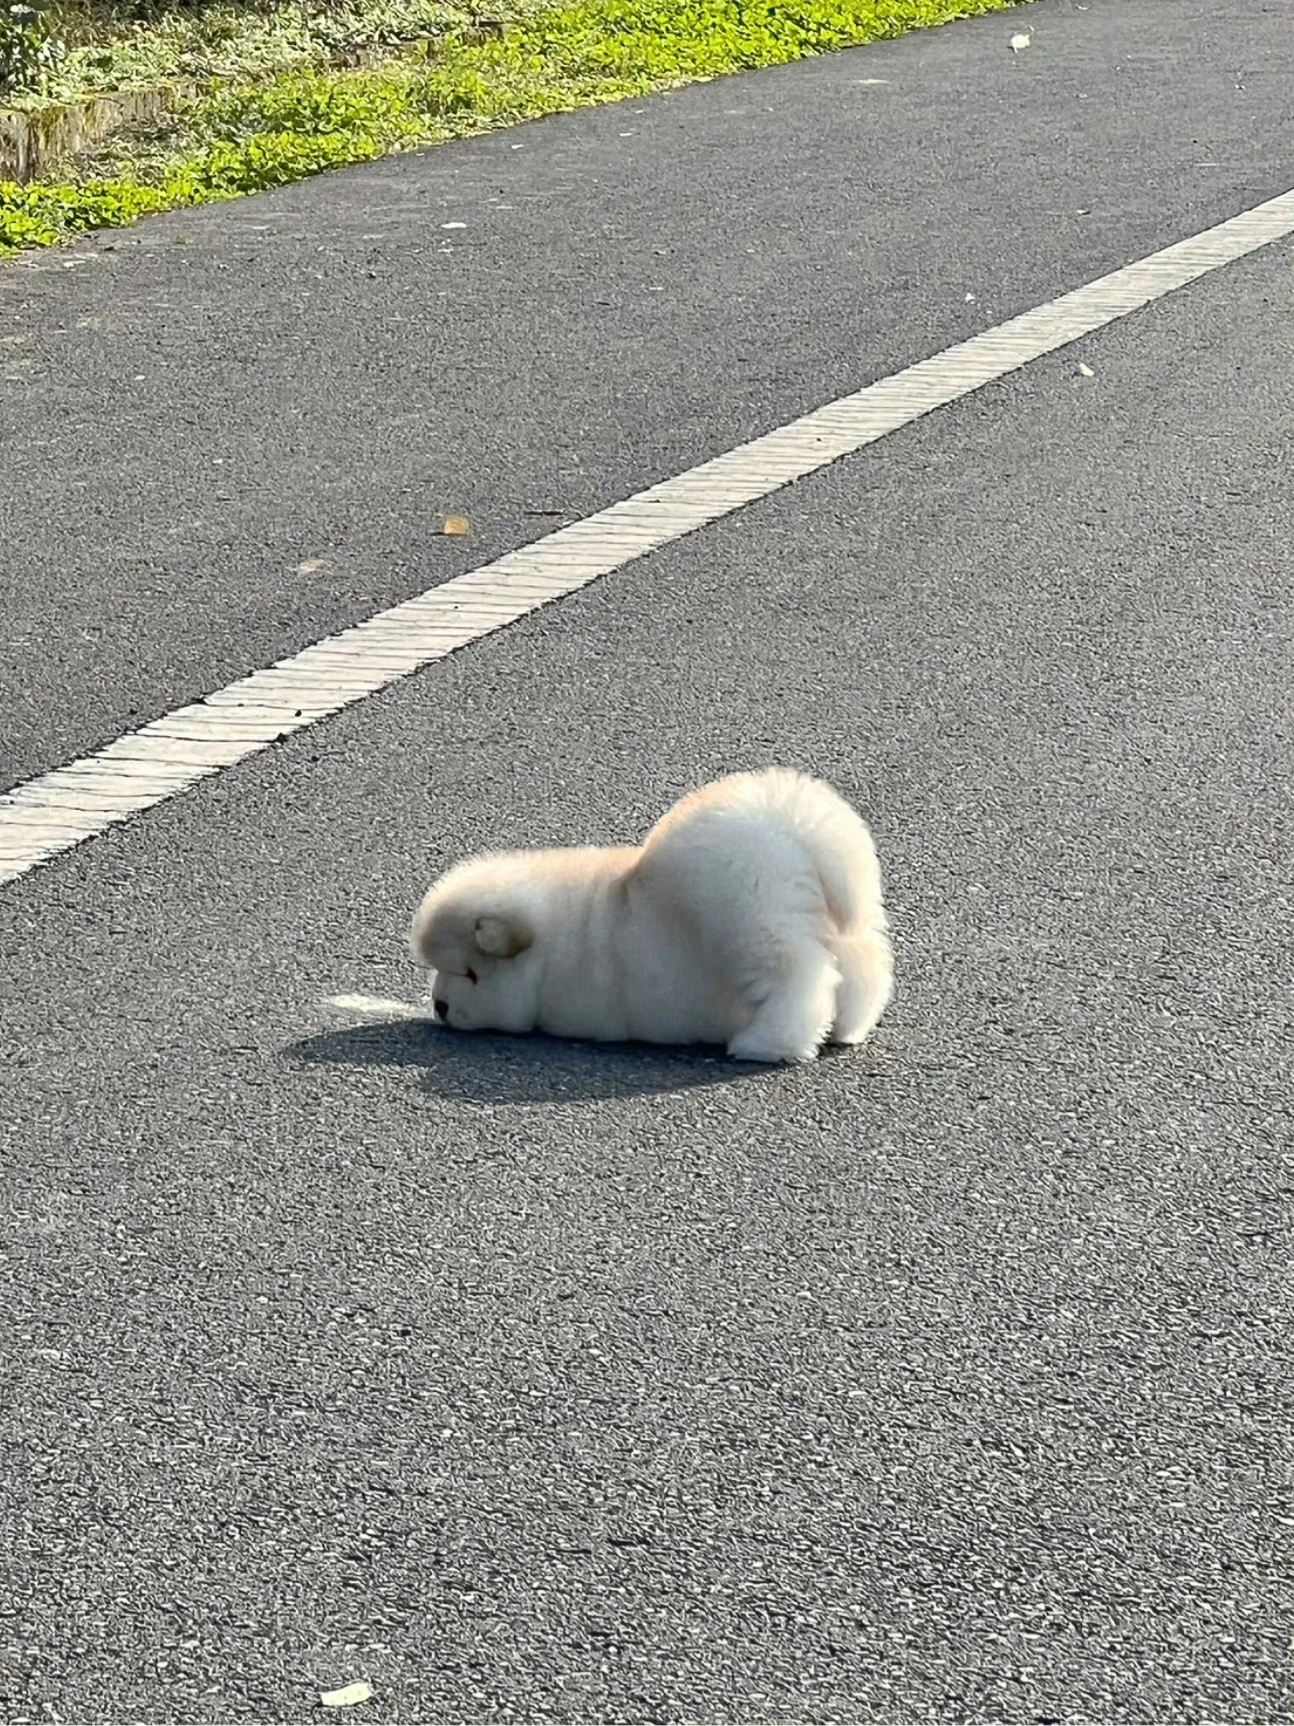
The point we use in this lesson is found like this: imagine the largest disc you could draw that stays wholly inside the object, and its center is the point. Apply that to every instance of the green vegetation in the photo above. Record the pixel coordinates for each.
(29, 48)
(239, 132)
(89, 45)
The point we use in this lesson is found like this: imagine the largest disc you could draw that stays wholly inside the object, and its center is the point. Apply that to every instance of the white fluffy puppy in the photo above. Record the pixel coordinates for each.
(750, 916)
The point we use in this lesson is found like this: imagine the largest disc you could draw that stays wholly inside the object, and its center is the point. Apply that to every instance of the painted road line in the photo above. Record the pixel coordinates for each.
(61, 809)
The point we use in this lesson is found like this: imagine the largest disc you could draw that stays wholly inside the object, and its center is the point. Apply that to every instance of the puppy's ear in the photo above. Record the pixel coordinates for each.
(502, 937)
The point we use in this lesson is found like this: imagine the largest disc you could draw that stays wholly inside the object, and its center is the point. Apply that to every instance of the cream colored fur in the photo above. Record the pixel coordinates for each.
(750, 916)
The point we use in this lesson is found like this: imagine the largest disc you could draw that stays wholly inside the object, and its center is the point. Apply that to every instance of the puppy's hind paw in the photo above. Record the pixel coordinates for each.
(769, 1053)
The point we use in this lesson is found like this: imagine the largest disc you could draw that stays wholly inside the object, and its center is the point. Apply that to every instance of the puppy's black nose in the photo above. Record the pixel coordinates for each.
(442, 1009)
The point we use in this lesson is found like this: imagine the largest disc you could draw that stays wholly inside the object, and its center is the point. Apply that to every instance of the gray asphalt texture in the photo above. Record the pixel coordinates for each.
(194, 408)
(947, 1380)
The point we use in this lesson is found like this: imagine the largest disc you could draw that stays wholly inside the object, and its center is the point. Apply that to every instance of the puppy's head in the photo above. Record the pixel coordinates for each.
(478, 938)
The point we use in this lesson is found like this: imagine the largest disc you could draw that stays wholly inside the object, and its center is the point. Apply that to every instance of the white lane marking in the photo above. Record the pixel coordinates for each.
(51, 814)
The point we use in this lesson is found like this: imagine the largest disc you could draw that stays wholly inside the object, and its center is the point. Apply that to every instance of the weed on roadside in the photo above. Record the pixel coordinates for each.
(240, 136)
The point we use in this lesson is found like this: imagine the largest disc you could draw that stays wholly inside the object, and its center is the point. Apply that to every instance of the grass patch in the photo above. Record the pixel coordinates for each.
(100, 50)
(241, 134)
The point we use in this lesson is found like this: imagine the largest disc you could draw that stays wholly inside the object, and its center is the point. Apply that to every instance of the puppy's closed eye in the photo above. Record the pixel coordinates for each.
(471, 975)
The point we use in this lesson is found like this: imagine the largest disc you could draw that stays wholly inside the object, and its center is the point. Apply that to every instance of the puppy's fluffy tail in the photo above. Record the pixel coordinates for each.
(837, 840)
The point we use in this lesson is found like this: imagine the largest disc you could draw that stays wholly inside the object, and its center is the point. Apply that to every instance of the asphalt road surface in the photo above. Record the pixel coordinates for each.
(947, 1380)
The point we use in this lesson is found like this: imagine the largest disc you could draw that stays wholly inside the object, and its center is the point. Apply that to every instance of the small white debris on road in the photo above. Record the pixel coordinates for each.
(346, 1697)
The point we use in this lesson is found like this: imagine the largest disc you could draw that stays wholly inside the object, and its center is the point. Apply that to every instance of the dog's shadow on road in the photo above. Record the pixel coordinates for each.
(485, 1069)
